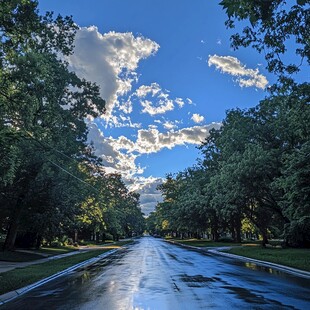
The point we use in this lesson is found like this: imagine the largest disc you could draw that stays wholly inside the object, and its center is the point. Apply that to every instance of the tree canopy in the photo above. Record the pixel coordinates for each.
(253, 177)
(48, 172)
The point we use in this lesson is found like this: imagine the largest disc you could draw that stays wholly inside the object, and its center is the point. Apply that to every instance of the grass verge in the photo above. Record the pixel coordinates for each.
(204, 243)
(296, 258)
(9, 256)
(20, 277)
(17, 256)
(56, 250)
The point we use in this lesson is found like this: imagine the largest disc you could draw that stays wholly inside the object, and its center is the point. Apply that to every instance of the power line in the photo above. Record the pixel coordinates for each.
(66, 171)
(54, 149)
(56, 165)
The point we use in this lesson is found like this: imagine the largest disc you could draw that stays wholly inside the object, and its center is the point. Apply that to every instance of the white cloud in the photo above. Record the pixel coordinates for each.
(197, 118)
(126, 107)
(152, 141)
(110, 60)
(145, 90)
(120, 155)
(110, 151)
(162, 107)
(155, 100)
(233, 66)
(120, 120)
(149, 195)
(180, 102)
(169, 125)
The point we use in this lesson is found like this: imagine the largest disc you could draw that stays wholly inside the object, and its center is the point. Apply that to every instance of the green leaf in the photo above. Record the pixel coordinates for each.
(253, 20)
(301, 2)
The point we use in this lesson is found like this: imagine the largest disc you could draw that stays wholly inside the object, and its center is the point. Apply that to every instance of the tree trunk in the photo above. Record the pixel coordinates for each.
(75, 235)
(39, 240)
(214, 232)
(233, 233)
(238, 230)
(265, 237)
(13, 227)
(238, 234)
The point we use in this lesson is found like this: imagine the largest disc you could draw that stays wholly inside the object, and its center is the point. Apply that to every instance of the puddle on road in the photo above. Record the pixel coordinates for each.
(252, 298)
(254, 266)
(173, 256)
(273, 271)
(196, 281)
(245, 294)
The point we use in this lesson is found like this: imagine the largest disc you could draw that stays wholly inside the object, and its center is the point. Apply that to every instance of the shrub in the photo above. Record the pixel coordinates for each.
(297, 233)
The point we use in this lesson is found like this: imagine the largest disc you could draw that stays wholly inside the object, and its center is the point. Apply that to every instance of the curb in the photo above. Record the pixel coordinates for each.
(14, 294)
(290, 270)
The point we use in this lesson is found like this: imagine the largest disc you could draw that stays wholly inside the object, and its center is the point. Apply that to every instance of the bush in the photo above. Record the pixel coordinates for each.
(56, 244)
(108, 236)
(297, 233)
(226, 239)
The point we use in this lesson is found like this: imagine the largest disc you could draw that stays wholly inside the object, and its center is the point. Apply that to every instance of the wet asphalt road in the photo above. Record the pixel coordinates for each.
(152, 274)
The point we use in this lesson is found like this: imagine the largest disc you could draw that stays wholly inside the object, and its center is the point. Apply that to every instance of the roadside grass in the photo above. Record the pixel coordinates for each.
(10, 256)
(291, 257)
(17, 256)
(20, 277)
(210, 243)
(296, 258)
(56, 250)
(204, 243)
(20, 256)
(95, 244)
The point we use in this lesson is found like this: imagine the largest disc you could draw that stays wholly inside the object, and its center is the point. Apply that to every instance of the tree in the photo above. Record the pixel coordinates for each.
(255, 167)
(41, 113)
(272, 25)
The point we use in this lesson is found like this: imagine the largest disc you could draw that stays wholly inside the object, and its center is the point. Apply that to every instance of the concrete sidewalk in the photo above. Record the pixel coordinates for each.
(7, 266)
(14, 294)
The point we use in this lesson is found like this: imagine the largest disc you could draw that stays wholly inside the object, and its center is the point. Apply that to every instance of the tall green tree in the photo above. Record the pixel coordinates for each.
(43, 105)
(270, 26)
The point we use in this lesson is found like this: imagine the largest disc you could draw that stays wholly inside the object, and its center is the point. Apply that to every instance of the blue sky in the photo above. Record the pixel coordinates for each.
(168, 74)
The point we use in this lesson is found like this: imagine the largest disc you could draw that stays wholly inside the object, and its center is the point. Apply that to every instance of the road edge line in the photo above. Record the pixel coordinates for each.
(283, 268)
(5, 298)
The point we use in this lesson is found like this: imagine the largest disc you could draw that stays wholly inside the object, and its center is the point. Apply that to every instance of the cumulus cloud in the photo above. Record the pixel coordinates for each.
(170, 125)
(121, 120)
(120, 153)
(180, 102)
(189, 101)
(110, 60)
(117, 157)
(233, 66)
(197, 118)
(152, 141)
(111, 153)
(147, 188)
(155, 100)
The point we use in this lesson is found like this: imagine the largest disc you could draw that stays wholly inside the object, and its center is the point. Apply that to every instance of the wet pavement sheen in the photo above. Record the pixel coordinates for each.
(154, 275)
